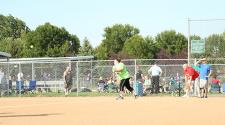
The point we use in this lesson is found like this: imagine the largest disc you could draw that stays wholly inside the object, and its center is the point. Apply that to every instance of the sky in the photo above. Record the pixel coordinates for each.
(88, 18)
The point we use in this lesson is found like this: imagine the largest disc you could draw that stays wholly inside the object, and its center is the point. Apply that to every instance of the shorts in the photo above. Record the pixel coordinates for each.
(67, 85)
(203, 83)
(125, 83)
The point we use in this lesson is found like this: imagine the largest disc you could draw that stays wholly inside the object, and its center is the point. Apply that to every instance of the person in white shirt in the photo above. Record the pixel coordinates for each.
(20, 79)
(1, 75)
(20, 76)
(155, 72)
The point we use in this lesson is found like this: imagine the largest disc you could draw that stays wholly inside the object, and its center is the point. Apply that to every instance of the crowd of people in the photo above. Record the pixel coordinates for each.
(196, 80)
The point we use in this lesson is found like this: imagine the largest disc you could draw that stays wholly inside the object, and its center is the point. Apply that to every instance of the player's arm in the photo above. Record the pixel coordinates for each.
(210, 73)
(198, 62)
(64, 76)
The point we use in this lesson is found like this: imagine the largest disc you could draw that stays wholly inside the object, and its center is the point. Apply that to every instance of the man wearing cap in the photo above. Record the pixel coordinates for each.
(205, 72)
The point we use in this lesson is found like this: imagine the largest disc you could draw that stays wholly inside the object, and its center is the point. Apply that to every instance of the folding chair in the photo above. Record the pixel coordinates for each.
(32, 86)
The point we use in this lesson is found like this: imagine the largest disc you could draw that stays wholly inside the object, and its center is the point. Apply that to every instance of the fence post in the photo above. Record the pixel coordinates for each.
(91, 76)
(55, 80)
(77, 77)
(32, 70)
(135, 70)
(8, 75)
(20, 82)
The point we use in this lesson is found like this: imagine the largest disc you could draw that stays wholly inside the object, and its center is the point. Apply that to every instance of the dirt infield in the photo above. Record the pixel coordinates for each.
(108, 111)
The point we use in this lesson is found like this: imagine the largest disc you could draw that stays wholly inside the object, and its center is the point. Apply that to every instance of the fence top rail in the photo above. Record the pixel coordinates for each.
(82, 59)
(49, 59)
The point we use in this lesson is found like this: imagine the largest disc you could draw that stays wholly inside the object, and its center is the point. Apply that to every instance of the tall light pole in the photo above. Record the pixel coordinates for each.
(189, 32)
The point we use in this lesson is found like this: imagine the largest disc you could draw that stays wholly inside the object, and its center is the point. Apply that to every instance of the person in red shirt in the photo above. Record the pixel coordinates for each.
(190, 75)
(215, 83)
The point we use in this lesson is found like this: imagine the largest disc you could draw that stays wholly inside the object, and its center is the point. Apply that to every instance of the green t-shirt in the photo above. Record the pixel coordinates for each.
(124, 74)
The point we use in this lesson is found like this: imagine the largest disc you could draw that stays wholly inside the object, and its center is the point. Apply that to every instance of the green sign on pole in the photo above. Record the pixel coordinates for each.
(197, 46)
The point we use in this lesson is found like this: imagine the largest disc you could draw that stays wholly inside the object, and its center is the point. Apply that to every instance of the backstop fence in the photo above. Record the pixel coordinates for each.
(48, 74)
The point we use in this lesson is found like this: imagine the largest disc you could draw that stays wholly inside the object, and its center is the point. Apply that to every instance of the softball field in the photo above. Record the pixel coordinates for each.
(108, 111)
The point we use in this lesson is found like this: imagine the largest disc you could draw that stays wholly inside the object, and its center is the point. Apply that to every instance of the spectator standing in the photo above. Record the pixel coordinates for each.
(139, 75)
(67, 76)
(205, 72)
(20, 80)
(155, 72)
(20, 76)
(1, 76)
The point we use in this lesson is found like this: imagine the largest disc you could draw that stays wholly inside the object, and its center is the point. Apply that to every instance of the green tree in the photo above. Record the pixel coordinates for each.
(115, 37)
(86, 49)
(12, 27)
(139, 47)
(101, 52)
(195, 37)
(49, 40)
(13, 46)
(215, 45)
(171, 41)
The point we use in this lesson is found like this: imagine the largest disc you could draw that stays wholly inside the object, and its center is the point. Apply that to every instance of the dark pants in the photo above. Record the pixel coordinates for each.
(155, 84)
(125, 83)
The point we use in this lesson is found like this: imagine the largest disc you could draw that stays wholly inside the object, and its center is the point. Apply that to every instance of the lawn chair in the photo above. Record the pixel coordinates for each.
(175, 86)
(215, 88)
(32, 86)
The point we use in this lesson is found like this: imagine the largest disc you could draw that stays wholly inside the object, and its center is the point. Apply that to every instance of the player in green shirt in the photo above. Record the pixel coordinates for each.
(124, 77)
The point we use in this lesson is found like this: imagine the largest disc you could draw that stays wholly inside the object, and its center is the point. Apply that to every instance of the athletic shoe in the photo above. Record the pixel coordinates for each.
(119, 97)
(185, 96)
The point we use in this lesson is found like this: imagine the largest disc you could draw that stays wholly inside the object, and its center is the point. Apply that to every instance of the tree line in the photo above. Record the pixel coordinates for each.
(122, 40)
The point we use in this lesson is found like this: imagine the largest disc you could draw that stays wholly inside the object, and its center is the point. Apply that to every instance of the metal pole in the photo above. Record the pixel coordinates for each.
(32, 70)
(91, 76)
(8, 75)
(178, 80)
(135, 70)
(77, 77)
(55, 81)
(20, 82)
(189, 41)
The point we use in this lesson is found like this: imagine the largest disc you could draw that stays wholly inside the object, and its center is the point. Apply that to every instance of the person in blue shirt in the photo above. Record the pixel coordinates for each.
(205, 72)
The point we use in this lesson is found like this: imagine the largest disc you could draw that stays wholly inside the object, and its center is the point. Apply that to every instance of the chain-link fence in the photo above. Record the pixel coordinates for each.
(48, 75)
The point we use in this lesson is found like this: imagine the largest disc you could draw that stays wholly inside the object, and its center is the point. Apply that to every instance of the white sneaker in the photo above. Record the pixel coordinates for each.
(185, 96)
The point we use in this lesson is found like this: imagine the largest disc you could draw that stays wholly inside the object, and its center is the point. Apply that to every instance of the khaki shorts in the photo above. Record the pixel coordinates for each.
(203, 83)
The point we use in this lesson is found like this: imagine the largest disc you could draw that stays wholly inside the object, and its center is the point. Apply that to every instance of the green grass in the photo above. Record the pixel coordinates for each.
(56, 94)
